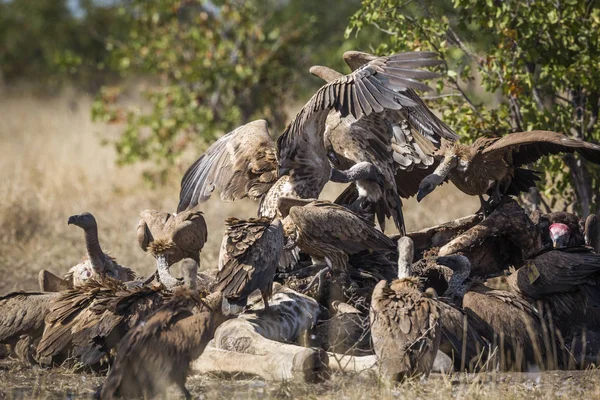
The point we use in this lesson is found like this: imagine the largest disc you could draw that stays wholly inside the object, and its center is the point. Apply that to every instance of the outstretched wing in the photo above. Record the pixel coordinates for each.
(376, 86)
(528, 147)
(240, 164)
(190, 232)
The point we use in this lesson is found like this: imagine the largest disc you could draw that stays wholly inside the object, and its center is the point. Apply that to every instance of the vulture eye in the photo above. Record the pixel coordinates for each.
(86, 274)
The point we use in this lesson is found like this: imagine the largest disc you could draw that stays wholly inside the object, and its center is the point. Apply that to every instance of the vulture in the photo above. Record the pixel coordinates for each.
(159, 352)
(97, 263)
(329, 232)
(506, 238)
(460, 340)
(567, 283)
(248, 259)
(504, 319)
(493, 165)
(565, 229)
(22, 319)
(171, 238)
(399, 143)
(87, 322)
(247, 163)
(405, 322)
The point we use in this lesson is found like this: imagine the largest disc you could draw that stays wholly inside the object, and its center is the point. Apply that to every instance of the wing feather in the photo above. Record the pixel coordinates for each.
(240, 164)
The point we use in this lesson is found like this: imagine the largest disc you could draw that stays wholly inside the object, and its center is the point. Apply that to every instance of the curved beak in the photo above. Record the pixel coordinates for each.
(443, 261)
(72, 220)
(421, 195)
(283, 171)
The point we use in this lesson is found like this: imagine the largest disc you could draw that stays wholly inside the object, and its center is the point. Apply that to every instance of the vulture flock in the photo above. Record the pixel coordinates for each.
(405, 300)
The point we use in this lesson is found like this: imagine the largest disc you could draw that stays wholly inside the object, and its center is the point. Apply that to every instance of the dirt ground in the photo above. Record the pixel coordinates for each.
(18, 381)
(53, 165)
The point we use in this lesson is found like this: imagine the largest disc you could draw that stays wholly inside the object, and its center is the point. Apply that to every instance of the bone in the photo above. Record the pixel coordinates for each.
(262, 342)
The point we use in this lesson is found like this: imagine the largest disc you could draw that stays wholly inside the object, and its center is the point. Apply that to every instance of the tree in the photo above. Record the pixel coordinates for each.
(219, 64)
(512, 65)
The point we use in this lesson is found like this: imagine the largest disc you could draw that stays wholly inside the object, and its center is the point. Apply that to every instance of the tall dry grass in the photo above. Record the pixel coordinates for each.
(53, 165)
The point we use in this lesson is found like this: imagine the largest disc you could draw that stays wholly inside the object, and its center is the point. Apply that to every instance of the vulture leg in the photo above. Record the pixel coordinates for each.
(265, 297)
(486, 208)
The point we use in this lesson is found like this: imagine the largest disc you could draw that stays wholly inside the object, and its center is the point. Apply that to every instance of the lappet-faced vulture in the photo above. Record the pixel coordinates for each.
(506, 320)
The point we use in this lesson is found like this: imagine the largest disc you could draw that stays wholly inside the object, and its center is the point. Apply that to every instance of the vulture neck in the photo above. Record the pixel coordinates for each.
(442, 171)
(163, 272)
(190, 277)
(457, 286)
(405, 259)
(94, 250)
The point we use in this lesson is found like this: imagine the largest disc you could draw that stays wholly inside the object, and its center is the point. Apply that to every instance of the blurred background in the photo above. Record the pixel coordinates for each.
(105, 103)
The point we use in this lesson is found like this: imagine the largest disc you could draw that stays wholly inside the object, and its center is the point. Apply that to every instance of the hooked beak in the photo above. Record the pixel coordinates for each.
(284, 171)
(421, 195)
(442, 261)
(72, 220)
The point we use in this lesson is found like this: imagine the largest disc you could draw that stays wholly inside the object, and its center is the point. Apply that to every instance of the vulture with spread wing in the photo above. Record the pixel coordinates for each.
(247, 163)
(493, 165)
(249, 257)
(399, 143)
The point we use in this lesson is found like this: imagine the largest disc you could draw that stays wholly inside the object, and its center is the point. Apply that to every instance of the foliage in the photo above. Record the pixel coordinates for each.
(538, 63)
(44, 42)
(218, 64)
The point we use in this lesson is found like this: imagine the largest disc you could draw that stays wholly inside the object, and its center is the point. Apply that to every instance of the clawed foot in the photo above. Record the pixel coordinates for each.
(317, 280)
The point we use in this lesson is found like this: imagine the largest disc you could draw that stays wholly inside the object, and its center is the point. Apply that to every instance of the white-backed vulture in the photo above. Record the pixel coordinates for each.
(405, 326)
(399, 143)
(176, 236)
(329, 232)
(248, 259)
(159, 352)
(493, 165)
(98, 262)
(506, 320)
(246, 163)
(22, 319)
(171, 238)
(87, 322)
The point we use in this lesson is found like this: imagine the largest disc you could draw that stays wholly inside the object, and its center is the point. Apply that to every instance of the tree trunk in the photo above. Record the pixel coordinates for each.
(582, 181)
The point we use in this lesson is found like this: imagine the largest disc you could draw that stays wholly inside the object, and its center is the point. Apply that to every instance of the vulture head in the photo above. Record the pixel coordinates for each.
(84, 221)
(430, 182)
(461, 269)
(560, 235)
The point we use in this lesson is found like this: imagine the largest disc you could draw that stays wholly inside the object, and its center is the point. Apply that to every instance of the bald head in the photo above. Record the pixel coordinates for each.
(325, 73)
(356, 59)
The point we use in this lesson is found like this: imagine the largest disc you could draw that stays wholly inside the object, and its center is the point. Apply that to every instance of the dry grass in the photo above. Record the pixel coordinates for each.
(53, 166)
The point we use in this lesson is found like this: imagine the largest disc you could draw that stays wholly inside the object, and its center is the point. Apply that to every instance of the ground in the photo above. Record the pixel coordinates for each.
(19, 382)
(53, 165)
